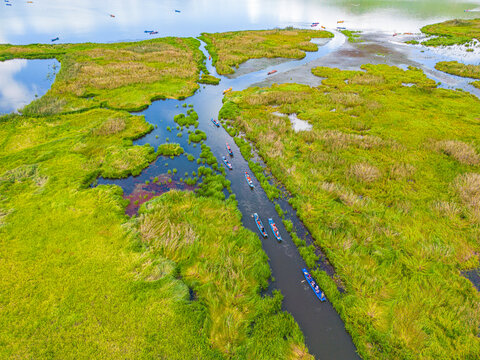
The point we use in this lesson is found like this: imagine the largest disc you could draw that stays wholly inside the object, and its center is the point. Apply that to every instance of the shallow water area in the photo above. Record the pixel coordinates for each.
(22, 81)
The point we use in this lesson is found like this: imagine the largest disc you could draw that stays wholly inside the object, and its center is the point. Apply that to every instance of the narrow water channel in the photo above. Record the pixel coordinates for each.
(324, 331)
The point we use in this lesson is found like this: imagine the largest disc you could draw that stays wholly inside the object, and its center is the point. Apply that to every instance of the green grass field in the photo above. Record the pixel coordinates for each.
(81, 280)
(230, 49)
(387, 181)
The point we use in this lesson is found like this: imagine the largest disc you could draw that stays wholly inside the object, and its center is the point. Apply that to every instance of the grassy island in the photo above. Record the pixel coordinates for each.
(230, 49)
(452, 32)
(81, 280)
(387, 180)
(124, 76)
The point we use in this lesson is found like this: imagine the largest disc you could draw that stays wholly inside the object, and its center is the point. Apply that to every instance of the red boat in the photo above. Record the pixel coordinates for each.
(209, 57)
(272, 72)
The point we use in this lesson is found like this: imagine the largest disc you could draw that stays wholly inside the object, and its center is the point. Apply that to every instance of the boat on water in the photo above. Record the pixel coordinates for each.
(148, 31)
(57, 38)
(227, 90)
(177, 11)
(209, 57)
(341, 28)
(340, 21)
(271, 72)
(274, 228)
(260, 225)
(316, 289)
(323, 27)
(227, 163)
(215, 122)
(154, 33)
(249, 180)
(229, 149)
(112, 16)
(313, 25)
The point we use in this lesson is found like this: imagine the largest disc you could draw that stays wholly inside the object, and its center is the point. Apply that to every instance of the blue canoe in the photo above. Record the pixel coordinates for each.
(229, 149)
(177, 10)
(274, 228)
(57, 38)
(249, 180)
(260, 225)
(227, 163)
(217, 124)
(316, 289)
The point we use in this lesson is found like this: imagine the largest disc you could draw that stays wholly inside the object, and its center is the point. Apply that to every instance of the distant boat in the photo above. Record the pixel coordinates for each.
(341, 28)
(323, 27)
(148, 31)
(229, 149)
(57, 38)
(340, 21)
(260, 225)
(217, 124)
(271, 72)
(154, 33)
(112, 16)
(408, 33)
(313, 25)
(227, 90)
(274, 228)
(318, 292)
(177, 11)
(209, 57)
(249, 180)
(227, 163)
(8, 4)
(394, 34)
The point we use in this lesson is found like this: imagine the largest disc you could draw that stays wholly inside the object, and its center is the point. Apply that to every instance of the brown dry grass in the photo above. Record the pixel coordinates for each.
(460, 151)
(402, 171)
(338, 140)
(346, 98)
(346, 196)
(468, 188)
(110, 127)
(365, 172)
(367, 79)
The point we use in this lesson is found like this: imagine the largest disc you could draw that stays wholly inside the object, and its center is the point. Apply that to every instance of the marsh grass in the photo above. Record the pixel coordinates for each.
(459, 69)
(121, 76)
(230, 49)
(451, 32)
(391, 197)
(460, 151)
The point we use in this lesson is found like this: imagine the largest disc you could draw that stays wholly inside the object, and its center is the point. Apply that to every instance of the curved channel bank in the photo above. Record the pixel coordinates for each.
(324, 331)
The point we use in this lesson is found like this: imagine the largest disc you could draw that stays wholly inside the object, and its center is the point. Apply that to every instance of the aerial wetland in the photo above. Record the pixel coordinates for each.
(240, 180)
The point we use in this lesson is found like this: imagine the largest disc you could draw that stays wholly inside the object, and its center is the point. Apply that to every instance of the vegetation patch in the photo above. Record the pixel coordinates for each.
(387, 184)
(459, 69)
(170, 149)
(121, 75)
(191, 119)
(230, 49)
(197, 136)
(452, 32)
(352, 36)
(209, 79)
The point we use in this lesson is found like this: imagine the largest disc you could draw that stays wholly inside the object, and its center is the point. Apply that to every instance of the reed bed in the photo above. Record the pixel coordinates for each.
(391, 197)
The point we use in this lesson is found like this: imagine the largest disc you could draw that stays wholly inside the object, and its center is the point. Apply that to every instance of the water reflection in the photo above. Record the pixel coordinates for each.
(88, 20)
(23, 80)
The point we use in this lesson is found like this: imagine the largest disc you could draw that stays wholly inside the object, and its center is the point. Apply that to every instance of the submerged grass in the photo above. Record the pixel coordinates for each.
(388, 186)
(230, 49)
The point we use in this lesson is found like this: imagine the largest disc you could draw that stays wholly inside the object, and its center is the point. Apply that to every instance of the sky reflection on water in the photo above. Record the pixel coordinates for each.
(88, 20)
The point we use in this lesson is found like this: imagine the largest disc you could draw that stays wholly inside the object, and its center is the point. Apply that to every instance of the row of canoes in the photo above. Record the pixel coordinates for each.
(308, 277)
(273, 227)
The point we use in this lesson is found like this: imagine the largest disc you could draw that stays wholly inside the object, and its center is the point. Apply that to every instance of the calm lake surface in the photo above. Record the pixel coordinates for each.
(90, 21)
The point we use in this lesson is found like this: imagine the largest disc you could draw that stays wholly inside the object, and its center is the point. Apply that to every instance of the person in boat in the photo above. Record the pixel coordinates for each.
(317, 289)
